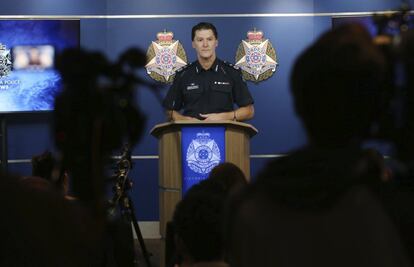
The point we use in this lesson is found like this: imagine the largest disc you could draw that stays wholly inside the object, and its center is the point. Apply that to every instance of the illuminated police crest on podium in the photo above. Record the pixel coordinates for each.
(203, 148)
(165, 56)
(203, 154)
(256, 57)
(5, 61)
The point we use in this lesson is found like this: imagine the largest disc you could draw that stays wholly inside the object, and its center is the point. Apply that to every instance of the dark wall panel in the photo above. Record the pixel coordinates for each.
(203, 7)
(93, 34)
(53, 7)
(355, 5)
(29, 134)
(144, 192)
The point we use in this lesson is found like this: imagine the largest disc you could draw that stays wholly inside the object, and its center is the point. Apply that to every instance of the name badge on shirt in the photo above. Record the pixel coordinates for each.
(192, 86)
(222, 83)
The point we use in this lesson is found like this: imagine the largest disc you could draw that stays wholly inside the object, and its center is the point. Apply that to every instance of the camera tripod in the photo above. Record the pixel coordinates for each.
(122, 200)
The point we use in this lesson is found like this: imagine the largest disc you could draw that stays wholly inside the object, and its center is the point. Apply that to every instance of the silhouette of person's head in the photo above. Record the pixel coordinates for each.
(336, 86)
(198, 218)
(229, 176)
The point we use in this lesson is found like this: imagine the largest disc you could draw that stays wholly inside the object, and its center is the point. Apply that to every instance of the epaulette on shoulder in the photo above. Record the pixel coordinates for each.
(183, 68)
(230, 65)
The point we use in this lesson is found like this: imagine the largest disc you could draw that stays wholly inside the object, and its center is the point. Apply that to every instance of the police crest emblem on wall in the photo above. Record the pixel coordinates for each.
(5, 61)
(256, 57)
(164, 57)
(203, 154)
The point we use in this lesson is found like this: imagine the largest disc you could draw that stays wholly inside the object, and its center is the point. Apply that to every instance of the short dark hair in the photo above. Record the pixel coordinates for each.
(229, 176)
(197, 222)
(203, 26)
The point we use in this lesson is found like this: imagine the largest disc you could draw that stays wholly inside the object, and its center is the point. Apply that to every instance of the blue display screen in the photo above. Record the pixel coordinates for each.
(28, 80)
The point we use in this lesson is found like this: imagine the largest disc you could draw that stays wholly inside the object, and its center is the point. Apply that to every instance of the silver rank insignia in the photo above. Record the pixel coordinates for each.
(203, 154)
(165, 56)
(256, 57)
(5, 61)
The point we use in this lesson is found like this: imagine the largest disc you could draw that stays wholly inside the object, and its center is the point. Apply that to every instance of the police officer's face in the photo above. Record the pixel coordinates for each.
(205, 44)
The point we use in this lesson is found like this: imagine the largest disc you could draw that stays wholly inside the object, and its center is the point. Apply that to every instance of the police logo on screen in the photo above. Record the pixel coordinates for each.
(203, 154)
(256, 57)
(165, 56)
(5, 61)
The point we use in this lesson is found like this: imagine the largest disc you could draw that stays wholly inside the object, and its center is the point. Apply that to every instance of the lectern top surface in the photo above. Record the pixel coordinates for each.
(159, 128)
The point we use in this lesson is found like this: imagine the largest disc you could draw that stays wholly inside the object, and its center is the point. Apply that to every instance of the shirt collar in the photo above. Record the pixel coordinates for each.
(214, 67)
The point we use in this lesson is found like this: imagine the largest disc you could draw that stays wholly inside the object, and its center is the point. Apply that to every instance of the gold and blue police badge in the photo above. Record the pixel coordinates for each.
(164, 57)
(256, 57)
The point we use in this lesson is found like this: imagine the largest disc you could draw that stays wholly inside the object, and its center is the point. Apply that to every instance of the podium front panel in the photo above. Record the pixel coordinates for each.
(170, 160)
(238, 149)
(202, 148)
(173, 149)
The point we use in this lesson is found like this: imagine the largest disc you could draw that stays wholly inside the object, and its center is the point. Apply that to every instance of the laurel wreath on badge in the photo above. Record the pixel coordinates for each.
(203, 154)
(164, 57)
(256, 57)
(5, 61)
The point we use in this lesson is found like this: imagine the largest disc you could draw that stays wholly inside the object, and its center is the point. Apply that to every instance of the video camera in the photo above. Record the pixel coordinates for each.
(96, 113)
(94, 89)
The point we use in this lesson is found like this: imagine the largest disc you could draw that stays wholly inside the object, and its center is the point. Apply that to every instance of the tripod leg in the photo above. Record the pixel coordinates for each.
(138, 232)
(122, 243)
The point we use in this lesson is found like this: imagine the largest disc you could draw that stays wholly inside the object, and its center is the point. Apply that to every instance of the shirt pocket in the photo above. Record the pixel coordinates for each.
(223, 88)
(192, 95)
(222, 96)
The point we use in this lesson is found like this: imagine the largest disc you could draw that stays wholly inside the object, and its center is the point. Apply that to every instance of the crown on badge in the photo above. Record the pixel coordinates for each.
(203, 135)
(254, 35)
(165, 36)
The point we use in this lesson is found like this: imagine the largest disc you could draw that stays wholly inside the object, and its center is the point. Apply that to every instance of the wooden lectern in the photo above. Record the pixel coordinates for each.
(237, 143)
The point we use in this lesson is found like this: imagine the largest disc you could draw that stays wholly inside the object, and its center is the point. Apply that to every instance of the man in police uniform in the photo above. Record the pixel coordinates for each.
(208, 88)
